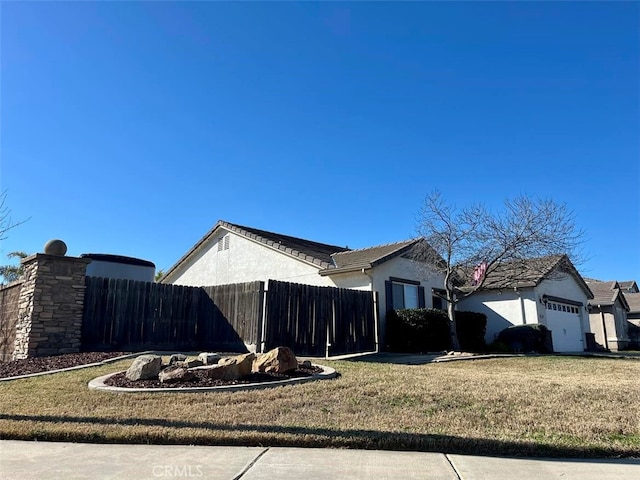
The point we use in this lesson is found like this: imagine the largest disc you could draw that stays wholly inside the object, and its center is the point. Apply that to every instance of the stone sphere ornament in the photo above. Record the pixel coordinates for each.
(55, 247)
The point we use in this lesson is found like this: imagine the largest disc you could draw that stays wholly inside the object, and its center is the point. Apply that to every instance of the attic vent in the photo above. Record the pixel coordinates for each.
(223, 243)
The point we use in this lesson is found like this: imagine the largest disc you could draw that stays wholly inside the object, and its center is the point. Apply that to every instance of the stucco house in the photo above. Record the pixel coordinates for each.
(231, 253)
(546, 290)
(632, 296)
(608, 315)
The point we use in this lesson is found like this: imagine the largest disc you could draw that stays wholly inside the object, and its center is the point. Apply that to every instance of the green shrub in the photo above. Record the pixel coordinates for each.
(471, 328)
(499, 347)
(416, 330)
(527, 338)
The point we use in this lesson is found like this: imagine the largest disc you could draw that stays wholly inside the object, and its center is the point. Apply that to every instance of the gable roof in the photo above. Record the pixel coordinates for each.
(633, 300)
(629, 286)
(351, 260)
(315, 253)
(530, 272)
(606, 293)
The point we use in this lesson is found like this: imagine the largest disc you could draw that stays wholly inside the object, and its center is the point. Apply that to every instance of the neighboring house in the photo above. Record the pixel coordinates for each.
(629, 286)
(231, 253)
(633, 300)
(633, 318)
(608, 315)
(546, 290)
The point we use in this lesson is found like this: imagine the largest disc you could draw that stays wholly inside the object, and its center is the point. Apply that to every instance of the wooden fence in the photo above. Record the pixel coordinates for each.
(314, 321)
(9, 296)
(319, 321)
(131, 315)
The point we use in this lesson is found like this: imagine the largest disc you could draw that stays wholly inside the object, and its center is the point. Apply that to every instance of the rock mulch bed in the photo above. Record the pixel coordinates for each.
(210, 369)
(201, 379)
(27, 366)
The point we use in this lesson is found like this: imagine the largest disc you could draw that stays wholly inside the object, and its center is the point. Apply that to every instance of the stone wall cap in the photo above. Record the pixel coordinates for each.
(44, 256)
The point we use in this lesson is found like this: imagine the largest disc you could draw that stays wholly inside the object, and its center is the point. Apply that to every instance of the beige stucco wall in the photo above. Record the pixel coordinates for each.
(245, 261)
(615, 323)
(407, 269)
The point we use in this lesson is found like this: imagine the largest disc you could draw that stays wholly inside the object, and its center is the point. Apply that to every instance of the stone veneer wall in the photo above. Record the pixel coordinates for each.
(9, 296)
(50, 306)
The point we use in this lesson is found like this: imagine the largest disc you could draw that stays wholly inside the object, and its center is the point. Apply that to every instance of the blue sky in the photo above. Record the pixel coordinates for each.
(132, 127)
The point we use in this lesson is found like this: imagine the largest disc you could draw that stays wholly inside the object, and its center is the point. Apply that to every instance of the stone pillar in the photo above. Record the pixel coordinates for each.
(50, 306)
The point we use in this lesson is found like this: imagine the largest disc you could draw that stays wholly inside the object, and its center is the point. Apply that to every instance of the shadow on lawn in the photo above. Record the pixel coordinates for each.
(281, 436)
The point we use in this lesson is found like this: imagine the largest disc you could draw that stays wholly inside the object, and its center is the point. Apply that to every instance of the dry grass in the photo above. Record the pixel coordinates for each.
(544, 406)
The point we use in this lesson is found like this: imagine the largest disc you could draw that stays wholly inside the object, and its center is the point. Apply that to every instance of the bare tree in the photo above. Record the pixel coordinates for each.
(6, 223)
(470, 244)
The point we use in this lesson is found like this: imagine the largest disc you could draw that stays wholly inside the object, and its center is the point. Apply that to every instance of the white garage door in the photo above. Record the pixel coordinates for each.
(564, 322)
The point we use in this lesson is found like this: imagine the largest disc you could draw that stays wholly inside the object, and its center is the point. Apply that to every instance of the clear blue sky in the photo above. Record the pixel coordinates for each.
(132, 127)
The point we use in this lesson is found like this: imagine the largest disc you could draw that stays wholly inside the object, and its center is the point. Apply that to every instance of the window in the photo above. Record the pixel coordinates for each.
(404, 294)
(438, 298)
(437, 303)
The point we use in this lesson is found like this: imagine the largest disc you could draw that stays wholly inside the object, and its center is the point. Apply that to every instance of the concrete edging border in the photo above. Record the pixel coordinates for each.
(99, 385)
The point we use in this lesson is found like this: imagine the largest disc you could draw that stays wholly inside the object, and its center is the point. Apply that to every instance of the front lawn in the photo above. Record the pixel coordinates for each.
(536, 406)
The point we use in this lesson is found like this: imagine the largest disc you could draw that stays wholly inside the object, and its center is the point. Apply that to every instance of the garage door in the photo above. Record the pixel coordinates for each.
(564, 322)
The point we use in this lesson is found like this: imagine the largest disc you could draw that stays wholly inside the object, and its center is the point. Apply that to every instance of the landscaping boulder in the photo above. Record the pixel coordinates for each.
(278, 360)
(190, 363)
(224, 372)
(209, 358)
(243, 363)
(177, 357)
(145, 367)
(175, 374)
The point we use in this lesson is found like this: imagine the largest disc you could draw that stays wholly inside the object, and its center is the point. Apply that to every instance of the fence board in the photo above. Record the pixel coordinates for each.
(306, 318)
(131, 315)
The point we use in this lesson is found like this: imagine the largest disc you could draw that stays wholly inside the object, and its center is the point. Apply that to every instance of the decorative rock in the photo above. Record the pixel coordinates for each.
(224, 372)
(243, 362)
(278, 360)
(177, 357)
(55, 247)
(145, 367)
(209, 358)
(306, 364)
(189, 363)
(175, 374)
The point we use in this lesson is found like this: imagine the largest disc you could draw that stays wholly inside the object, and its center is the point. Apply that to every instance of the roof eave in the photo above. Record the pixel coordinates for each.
(351, 268)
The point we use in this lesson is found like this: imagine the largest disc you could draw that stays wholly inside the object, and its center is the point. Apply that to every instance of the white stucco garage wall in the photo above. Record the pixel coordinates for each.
(568, 288)
(502, 308)
(507, 307)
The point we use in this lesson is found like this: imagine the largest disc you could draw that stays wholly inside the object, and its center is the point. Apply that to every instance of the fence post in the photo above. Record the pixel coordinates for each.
(376, 319)
(262, 323)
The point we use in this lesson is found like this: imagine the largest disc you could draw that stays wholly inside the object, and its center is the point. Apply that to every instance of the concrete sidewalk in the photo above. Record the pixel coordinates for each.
(69, 461)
